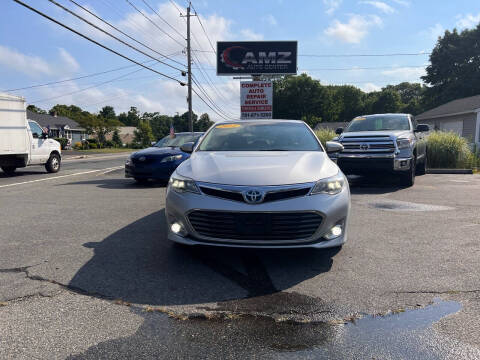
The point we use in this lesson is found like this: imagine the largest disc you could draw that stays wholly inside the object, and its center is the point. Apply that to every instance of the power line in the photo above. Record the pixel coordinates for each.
(113, 36)
(200, 87)
(215, 111)
(369, 68)
(161, 18)
(204, 31)
(341, 55)
(123, 33)
(158, 27)
(94, 41)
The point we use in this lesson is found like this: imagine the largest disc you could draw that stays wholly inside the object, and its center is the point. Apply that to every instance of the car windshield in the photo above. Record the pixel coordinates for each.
(178, 140)
(261, 136)
(379, 123)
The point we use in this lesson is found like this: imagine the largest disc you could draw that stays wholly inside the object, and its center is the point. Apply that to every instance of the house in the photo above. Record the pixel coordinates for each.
(126, 134)
(59, 126)
(461, 116)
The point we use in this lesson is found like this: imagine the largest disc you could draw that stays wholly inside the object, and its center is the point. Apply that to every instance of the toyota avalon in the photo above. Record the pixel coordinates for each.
(259, 183)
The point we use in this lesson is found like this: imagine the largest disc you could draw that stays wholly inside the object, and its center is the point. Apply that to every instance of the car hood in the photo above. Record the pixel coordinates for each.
(156, 152)
(258, 168)
(396, 133)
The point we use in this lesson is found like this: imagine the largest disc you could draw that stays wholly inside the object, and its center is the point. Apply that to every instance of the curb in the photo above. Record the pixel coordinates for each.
(450, 171)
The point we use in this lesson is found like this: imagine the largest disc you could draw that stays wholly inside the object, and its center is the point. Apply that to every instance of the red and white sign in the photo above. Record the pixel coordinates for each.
(256, 99)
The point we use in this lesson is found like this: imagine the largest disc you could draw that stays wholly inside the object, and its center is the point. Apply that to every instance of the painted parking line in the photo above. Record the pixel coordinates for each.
(63, 176)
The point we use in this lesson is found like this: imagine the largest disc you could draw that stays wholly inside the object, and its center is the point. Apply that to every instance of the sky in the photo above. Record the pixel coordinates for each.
(35, 51)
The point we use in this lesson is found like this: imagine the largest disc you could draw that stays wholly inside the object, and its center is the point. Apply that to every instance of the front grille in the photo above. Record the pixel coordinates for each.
(368, 144)
(269, 196)
(274, 226)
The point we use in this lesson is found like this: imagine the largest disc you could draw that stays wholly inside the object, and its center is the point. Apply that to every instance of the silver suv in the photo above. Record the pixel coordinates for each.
(383, 143)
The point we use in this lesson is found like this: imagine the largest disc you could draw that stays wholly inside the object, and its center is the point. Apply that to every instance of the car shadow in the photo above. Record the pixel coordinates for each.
(21, 173)
(139, 265)
(362, 185)
(118, 183)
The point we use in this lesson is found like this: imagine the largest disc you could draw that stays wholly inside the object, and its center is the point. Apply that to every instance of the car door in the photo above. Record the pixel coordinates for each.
(421, 141)
(40, 151)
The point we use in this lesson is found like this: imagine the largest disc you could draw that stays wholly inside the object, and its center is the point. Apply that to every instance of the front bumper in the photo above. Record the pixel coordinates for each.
(161, 171)
(368, 163)
(334, 209)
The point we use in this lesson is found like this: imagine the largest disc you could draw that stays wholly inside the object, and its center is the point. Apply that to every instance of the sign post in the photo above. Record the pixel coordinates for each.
(256, 99)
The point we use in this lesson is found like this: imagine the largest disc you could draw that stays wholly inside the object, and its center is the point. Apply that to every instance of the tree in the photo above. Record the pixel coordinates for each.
(388, 101)
(203, 123)
(107, 112)
(35, 109)
(117, 141)
(454, 67)
(143, 134)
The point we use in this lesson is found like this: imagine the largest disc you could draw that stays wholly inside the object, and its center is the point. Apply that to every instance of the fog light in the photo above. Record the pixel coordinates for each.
(176, 227)
(334, 232)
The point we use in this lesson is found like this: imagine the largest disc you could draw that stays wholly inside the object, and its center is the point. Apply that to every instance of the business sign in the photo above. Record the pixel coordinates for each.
(256, 100)
(256, 57)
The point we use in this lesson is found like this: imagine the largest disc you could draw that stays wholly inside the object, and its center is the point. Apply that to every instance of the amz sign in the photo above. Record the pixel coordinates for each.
(256, 57)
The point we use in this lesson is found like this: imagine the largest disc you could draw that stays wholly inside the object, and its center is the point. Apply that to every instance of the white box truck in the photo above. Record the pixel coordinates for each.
(23, 142)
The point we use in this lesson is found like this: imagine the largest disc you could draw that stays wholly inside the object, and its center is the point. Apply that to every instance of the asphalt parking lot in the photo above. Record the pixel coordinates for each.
(86, 272)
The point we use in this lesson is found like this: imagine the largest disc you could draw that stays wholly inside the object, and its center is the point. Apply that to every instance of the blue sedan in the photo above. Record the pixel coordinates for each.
(159, 161)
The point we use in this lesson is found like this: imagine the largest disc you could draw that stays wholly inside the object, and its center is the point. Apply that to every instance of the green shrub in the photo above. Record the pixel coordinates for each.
(448, 150)
(109, 144)
(325, 135)
(63, 142)
(93, 146)
(92, 141)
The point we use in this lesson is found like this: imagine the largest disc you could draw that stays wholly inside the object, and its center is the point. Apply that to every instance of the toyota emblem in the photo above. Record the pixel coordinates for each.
(364, 147)
(253, 196)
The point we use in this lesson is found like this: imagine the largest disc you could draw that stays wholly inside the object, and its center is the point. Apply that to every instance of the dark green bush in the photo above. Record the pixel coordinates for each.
(448, 150)
(63, 142)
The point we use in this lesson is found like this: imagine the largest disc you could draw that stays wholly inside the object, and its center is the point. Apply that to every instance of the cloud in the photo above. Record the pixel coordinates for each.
(355, 29)
(270, 19)
(435, 31)
(370, 87)
(468, 21)
(29, 65)
(248, 34)
(332, 5)
(407, 73)
(387, 9)
(71, 65)
(402, 2)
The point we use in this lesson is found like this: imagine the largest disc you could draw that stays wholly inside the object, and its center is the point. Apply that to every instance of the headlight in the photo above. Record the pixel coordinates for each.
(171, 158)
(332, 185)
(404, 143)
(182, 184)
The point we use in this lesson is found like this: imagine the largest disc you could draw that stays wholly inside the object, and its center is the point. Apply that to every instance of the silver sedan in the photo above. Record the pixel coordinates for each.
(261, 184)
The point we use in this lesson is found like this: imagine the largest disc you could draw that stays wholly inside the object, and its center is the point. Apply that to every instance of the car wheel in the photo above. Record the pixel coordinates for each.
(53, 163)
(422, 169)
(408, 179)
(9, 170)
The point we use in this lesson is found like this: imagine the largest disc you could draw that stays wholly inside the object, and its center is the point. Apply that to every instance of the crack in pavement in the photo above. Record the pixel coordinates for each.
(435, 292)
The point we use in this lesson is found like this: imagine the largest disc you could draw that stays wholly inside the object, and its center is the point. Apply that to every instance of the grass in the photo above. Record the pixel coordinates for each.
(107, 150)
(448, 150)
(325, 135)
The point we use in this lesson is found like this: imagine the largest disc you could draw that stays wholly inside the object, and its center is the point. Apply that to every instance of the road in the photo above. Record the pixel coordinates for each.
(86, 272)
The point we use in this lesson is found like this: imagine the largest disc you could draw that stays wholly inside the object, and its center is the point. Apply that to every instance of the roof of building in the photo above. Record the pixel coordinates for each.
(468, 104)
(55, 122)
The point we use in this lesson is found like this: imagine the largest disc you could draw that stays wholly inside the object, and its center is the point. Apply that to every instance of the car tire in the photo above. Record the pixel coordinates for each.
(9, 170)
(422, 169)
(408, 179)
(53, 163)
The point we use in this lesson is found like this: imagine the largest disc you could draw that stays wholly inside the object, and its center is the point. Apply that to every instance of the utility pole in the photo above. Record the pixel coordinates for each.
(189, 59)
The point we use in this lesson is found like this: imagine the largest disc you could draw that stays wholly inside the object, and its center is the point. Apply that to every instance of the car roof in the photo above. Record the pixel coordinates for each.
(262, 121)
(386, 114)
(188, 133)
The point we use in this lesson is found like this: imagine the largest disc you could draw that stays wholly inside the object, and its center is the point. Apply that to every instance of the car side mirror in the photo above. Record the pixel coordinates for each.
(187, 147)
(35, 135)
(333, 147)
(44, 135)
(422, 128)
(338, 131)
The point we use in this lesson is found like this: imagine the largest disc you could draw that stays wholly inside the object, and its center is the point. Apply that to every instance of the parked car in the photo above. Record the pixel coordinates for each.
(159, 161)
(384, 143)
(263, 184)
(23, 142)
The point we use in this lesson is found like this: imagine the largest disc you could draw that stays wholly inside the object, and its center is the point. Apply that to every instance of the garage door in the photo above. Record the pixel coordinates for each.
(455, 126)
